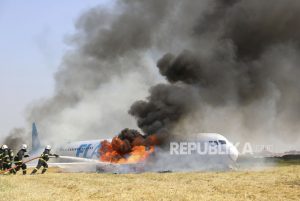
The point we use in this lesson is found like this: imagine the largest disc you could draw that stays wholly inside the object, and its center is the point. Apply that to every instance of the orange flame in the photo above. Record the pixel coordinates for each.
(121, 151)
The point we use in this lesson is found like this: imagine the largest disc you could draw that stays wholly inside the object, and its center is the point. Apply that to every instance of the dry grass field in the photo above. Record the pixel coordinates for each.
(274, 183)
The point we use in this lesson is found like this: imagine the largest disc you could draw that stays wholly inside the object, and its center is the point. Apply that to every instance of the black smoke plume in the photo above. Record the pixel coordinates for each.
(243, 54)
(228, 66)
(16, 138)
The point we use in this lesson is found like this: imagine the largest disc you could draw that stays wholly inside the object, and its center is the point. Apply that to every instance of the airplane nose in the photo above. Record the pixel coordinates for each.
(233, 152)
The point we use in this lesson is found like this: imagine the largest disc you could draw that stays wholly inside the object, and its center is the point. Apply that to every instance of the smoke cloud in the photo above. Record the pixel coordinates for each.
(238, 69)
(16, 138)
(97, 79)
(228, 66)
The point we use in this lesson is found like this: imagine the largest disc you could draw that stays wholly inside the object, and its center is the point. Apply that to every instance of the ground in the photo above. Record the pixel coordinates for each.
(272, 183)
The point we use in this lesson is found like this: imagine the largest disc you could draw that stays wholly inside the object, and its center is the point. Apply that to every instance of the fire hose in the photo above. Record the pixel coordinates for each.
(12, 168)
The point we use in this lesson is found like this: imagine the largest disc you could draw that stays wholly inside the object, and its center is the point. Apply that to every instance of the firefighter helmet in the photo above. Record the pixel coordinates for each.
(24, 146)
(48, 147)
(4, 146)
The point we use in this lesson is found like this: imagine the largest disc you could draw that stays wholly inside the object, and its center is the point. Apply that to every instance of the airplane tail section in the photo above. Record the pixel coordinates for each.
(35, 138)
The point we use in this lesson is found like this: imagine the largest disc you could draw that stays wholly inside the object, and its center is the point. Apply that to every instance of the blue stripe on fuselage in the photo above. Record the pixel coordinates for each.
(83, 149)
(96, 151)
(86, 150)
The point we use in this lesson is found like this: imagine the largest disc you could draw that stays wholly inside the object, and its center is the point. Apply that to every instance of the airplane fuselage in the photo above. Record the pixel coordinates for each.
(82, 149)
(90, 149)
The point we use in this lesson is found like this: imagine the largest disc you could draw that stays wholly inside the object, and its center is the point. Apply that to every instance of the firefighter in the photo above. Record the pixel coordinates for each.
(43, 160)
(19, 159)
(1, 156)
(7, 158)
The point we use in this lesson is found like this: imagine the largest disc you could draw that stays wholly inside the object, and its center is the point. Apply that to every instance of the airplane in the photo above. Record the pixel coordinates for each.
(79, 149)
(224, 145)
(87, 152)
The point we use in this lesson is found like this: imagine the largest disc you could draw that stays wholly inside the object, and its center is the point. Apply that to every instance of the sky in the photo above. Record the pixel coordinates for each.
(32, 43)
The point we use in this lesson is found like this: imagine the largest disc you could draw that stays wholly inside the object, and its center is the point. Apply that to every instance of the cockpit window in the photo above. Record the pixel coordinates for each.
(222, 141)
(213, 142)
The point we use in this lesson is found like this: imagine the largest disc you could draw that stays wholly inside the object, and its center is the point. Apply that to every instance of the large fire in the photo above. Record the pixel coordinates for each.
(128, 147)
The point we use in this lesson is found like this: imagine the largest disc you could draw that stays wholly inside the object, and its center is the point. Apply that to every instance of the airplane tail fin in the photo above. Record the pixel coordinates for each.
(35, 138)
